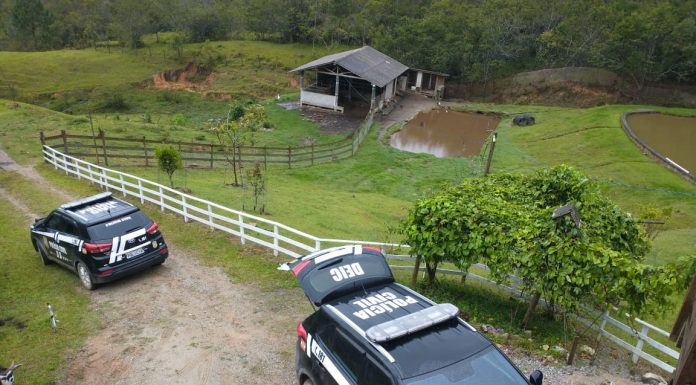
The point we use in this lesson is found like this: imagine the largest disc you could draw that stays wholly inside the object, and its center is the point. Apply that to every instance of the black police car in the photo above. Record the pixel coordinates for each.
(369, 330)
(100, 238)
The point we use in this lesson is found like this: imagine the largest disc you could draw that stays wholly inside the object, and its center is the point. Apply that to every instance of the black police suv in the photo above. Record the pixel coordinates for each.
(369, 330)
(100, 238)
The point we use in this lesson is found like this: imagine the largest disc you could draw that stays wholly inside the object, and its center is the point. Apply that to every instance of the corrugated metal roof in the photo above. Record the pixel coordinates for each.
(366, 62)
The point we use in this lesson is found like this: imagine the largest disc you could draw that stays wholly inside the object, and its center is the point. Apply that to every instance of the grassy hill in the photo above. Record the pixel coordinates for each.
(243, 68)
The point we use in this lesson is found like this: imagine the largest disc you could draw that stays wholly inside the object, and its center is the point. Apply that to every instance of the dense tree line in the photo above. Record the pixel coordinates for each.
(474, 40)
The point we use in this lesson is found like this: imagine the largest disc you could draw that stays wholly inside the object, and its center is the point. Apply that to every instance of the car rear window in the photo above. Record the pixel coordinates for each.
(486, 367)
(118, 226)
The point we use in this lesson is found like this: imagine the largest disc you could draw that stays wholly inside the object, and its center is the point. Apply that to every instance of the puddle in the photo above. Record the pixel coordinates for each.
(672, 136)
(445, 133)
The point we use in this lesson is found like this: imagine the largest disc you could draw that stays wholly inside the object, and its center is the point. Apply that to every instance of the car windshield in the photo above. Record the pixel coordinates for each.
(117, 227)
(485, 367)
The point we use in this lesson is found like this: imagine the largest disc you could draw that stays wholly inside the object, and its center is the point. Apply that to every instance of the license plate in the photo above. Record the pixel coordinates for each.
(134, 253)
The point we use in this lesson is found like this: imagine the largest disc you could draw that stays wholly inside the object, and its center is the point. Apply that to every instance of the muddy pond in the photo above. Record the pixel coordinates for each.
(672, 136)
(445, 133)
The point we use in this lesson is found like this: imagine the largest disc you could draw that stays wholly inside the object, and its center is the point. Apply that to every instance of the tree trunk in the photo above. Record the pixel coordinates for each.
(234, 165)
(431, 269)
(416, 268)
(530, 309)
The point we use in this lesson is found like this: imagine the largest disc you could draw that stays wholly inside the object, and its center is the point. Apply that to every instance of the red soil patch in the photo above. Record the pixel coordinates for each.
(188, 78)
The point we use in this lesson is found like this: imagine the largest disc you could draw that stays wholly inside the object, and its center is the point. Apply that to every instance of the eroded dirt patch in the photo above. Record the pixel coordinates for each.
(191, 77)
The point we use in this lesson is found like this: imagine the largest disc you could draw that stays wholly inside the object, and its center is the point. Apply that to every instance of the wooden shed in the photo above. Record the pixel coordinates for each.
(684, 334)
(360, 75)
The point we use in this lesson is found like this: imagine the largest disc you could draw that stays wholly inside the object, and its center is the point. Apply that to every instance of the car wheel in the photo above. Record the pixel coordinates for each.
(43, 257)
(85, 276)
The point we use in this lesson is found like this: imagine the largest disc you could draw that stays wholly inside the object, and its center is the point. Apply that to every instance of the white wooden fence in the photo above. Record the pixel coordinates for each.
(295, 243)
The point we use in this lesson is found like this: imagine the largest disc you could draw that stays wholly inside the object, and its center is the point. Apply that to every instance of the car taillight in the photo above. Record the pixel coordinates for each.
(302, 334)
(298, 268)
(373, 248)
(153, 228)
(93, 248)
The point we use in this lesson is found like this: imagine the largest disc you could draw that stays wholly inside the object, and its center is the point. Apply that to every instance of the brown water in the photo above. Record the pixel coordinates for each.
(672, 136)
(445, 133)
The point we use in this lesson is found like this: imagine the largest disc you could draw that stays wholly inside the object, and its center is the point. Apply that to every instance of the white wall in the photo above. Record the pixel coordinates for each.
(320, 100)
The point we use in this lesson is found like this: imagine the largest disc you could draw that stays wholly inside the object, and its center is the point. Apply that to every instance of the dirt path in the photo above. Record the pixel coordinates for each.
(184, 323)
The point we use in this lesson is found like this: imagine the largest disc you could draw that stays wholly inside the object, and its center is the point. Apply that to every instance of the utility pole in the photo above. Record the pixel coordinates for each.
(490, 155)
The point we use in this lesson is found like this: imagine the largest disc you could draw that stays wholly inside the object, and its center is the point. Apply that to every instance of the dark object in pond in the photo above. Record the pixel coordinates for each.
(523, 120)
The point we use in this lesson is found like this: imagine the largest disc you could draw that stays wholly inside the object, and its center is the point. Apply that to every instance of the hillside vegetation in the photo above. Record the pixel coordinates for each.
(474, 41)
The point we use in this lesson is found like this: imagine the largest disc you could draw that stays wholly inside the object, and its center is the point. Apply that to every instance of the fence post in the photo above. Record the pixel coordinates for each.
(77, 170)
(312, 153)
(65, 141)
(105, 181)
(183, 207)
(123, 185)
(140, 191)
(639, 345)
(265, 161)
(275, 240)
(65, 164)
(161, 196)
(91, 173)
(103, 139)
(42, 138)
(211, 156)
(289, 157)
(54, 158)
(241, 228)
(317, 245)
(210, 216)
(147, 161)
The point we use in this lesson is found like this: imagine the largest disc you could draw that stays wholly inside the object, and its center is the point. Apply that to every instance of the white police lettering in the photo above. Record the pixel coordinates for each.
(381, 303)
(117, 221)
(98, 208)
(346, 271)
(318, 352)
(57, 247)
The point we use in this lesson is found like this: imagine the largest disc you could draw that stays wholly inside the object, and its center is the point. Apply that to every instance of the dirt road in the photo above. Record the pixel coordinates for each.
(184, 323)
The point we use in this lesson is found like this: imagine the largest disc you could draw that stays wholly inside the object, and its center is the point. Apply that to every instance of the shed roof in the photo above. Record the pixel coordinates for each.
(366, 62)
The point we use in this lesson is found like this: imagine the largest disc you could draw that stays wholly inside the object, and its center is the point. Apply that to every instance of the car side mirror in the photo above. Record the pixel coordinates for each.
(536, 377)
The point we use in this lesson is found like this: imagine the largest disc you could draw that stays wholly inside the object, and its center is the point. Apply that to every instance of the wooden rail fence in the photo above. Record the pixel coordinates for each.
(128, 151)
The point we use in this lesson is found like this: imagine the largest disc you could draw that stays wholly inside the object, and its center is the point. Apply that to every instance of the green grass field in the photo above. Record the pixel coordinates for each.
(26, 286)
(361, 198)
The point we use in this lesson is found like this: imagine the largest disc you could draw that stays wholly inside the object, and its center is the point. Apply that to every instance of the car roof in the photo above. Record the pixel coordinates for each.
(97, 208)
(417, 352)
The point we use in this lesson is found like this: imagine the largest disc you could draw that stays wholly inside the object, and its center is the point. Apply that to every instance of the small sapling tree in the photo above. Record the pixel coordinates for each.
(257, 182)
(235, 130)
(168, 160)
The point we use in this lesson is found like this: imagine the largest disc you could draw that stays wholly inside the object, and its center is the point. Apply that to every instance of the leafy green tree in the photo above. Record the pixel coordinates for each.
(168, 160)
(505, 221)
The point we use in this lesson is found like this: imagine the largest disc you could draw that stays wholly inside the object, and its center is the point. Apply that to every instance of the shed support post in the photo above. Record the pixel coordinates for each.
(336, 94)
(372, 100)
(301, 86)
